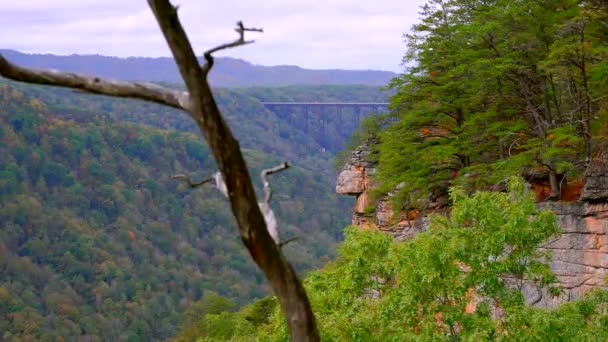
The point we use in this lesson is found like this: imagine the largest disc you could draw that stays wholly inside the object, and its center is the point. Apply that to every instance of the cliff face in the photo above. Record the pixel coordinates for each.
(580, 254)
(355, 180)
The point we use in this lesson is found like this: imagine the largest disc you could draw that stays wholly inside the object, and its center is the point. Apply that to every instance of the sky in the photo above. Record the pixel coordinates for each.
(317, 34)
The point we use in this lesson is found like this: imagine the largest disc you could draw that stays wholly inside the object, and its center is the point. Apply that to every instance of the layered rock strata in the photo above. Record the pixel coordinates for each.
(356, 180)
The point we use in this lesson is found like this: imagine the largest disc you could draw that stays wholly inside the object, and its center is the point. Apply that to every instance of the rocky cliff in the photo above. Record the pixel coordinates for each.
(355, 180)
(580, 254)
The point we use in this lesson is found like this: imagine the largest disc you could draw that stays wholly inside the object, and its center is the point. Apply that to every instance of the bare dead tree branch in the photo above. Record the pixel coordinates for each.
(138, 90)
(271, 222)
(240, 29)
(284, 242)
(201, 105)
(264, 174)
(190, 182)
(269, 217)
(226, 151)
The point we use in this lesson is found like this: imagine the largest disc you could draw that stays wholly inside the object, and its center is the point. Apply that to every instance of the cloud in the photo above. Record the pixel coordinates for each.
(309, 33)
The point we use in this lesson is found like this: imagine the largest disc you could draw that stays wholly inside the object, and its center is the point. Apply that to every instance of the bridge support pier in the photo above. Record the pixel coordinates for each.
(306, 110)
(323, 112)
(340, 122)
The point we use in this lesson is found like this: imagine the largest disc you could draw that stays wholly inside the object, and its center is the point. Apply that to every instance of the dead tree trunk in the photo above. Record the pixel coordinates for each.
(201, 106)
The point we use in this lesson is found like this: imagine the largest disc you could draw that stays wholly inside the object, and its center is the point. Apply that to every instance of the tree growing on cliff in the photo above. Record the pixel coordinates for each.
(497, 87)
(200, 104)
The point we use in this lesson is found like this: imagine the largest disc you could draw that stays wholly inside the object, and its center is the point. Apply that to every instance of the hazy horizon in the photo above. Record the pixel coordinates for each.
(244, 59)
(333, 34)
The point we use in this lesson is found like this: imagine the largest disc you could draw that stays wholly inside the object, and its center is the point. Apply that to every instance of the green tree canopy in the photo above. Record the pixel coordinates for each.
(496, 87)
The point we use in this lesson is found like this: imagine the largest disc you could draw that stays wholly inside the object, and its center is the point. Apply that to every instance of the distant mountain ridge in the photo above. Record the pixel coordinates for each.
(227, 72)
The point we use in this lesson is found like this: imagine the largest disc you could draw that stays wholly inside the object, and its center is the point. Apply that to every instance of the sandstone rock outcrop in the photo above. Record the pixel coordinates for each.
(580, 254)
(355, 180)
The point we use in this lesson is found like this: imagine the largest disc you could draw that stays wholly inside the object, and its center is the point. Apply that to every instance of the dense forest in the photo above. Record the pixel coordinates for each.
(98, 240)
(318, 93)
(493, 90)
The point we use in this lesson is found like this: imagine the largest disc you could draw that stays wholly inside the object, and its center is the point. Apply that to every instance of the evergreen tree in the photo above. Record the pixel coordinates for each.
(497, 88)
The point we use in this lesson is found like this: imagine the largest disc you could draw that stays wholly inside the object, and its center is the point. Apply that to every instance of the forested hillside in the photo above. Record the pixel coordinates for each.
(284, 132)
(228, 72)
(319, 93)
(246, 115)
(97, 238)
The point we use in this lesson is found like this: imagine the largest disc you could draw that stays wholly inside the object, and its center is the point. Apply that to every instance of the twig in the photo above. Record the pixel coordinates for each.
(511, 146)
(267, 188)
(189, 181)
(240, 29)
(271, 222)
(283, 243)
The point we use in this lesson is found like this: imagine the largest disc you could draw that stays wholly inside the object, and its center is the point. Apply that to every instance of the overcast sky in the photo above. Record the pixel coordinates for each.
(319, 34)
